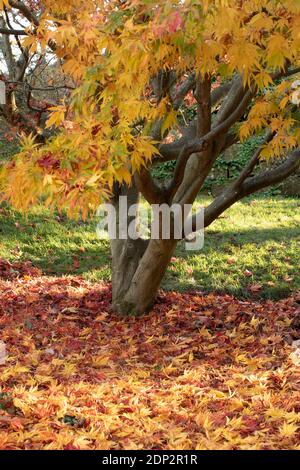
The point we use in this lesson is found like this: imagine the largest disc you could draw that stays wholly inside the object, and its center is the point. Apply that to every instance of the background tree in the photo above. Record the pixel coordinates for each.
(34, 78)
(136, 61)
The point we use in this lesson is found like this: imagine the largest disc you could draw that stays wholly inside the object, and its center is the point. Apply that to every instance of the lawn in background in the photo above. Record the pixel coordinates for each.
(252, 249)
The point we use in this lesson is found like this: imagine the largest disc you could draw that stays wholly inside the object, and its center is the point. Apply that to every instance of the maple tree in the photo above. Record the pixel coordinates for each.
(135, 63)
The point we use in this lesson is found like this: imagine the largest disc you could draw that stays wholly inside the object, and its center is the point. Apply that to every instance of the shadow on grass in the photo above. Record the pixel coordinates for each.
(231, 261)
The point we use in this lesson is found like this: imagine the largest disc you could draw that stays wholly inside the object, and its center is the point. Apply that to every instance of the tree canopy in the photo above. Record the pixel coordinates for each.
(134, 62)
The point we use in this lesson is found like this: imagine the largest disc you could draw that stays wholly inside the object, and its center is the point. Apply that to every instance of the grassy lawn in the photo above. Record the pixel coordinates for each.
(253, 249)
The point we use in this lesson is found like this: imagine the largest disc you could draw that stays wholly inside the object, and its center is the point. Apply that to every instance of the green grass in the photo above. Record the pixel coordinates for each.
(260, 235)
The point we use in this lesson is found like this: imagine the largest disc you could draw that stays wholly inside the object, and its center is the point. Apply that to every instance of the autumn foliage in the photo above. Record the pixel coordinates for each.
(155, 81)
(113, 50)
(201, 372)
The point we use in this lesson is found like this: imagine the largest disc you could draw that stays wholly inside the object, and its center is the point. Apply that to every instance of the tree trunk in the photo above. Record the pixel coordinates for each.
(126, 255)
(138, 266)
(136, 278)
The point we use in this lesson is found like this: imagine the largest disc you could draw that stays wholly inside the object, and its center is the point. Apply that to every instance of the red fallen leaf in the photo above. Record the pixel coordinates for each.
(71, 447)
(12, 270)
(101, 316)
(31, 298)
(127, 409)
(231, 261)
(5, 419)
(101, 408)
(248, 273)
(96, 129)
(76, 263)
(16, 424)
(155, 361)
(249, 426)
(233, 308)
(99, 376)
(255, 287)
(92, 305)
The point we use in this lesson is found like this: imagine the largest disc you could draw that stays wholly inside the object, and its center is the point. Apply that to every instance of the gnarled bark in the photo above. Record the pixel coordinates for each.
(138, 266)
(135, 295)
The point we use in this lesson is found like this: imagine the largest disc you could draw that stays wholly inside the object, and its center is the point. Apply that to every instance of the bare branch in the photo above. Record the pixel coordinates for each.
(47, 88)
(200, 144)
(10, 27)
(218, 93)
(13, 32)
(253, 161)
(172, 150)
(183, 89)
(272, 176)
(153, 193)
(235, 95)
(29, 15)
(203, 97)
(251, 185)
(286, 72)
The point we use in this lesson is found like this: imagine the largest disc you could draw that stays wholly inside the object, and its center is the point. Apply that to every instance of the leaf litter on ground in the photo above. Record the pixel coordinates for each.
(198, 372)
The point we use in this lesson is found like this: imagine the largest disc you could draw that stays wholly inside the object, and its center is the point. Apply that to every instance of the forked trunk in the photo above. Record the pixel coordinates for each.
(136, 276)
(126, 255)
(138, 266)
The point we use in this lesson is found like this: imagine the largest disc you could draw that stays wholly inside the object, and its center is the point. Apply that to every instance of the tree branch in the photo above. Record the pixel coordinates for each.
(235, 95)
(183, 89)
(272, 176)
(13, 32)
(30, 16)
(253, 161)
(203, 96)
(199, 144)
(25, 11)
(218, 93)
(172, 150)
(153, 193)
(251, 185)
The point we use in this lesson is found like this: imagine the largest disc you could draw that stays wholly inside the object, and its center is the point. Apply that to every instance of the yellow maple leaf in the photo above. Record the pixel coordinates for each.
(57, 116)
(288, 429)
